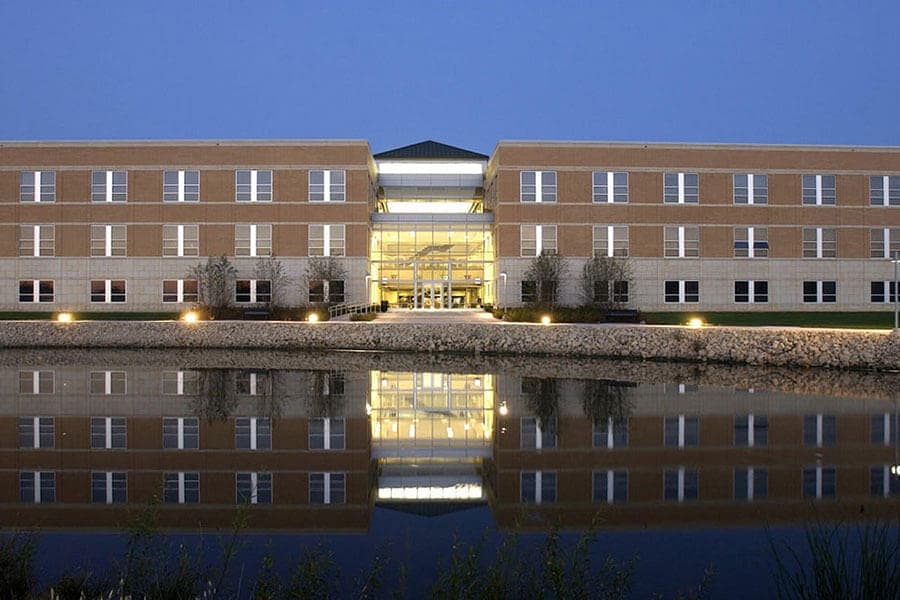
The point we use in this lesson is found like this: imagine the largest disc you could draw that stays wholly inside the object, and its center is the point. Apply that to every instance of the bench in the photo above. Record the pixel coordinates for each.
(256, 314)
(622, 315)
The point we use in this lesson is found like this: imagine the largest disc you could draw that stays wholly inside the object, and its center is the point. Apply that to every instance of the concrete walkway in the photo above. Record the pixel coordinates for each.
(450, 316)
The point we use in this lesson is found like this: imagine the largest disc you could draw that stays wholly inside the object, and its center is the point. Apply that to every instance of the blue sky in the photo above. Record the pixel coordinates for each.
(466, 73)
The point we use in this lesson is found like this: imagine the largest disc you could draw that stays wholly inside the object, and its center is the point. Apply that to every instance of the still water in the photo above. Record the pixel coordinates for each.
(678, 469)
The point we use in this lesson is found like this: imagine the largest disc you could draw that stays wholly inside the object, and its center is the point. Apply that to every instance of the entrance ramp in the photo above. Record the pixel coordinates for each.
(425, 315)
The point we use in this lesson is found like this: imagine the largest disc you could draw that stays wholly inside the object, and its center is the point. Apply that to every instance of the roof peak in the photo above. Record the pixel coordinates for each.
(430, 150)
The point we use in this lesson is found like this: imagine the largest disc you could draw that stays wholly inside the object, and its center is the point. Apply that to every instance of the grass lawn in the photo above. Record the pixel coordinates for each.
(850, 320)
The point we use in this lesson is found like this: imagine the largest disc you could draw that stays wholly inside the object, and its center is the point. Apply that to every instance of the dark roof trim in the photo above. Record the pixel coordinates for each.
(430, 149)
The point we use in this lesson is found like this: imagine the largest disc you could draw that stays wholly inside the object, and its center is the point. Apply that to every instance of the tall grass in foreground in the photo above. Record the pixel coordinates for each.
(853, 562)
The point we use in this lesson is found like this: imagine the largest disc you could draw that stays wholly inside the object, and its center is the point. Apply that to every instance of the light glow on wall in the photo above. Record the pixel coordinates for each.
(430, 168)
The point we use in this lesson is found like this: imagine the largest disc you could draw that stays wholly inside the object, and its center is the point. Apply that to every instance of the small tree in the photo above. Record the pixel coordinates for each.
(606, 399)
(215, 281)
(598, 282)
(546, 271)
(272, 270)
(325, 269)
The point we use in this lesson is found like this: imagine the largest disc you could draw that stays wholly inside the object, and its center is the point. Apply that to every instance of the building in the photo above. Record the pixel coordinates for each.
(118, 225)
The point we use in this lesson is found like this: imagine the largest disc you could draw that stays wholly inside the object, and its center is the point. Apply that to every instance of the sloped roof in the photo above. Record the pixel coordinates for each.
(430, 149)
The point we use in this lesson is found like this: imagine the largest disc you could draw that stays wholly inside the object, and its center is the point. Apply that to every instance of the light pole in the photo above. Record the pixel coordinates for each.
(368, 291)
(503, 295)
(896, 261)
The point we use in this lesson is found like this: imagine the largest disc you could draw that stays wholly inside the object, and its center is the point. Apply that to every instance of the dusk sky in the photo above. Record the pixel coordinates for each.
(465, 73)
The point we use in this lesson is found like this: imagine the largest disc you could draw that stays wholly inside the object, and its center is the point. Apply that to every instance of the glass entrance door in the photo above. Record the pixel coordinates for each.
(431, 294)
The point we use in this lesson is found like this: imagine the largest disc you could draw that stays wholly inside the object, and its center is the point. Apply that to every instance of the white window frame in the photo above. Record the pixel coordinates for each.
(538, 434)
(180, 237)
(888, 290)
(539, 187)
(327, 236)
(820, 241)
(254, 429)
(326, 432)
(751, 291)
(752, 197)
(326, 497)
(108, 437)
(253, 249)
(181, 484)
(820, 470)
(107, 291)
(38, 187)
(681, 430)
(37, 484)
(254, 485)
(37, 378)
(256, 189)
(35, 239)
(109, 191)
(538, 481)
(681, 471)
(889, 245)
(108, 383)
(610, 476)
(681, 239)
(180, 433)
(890, 195)
(254, 296)
(36, 291)
(328, 188)
(820, 284)
(819, 191)
(181, 185)
(176, 380)
(682, 196)
(108, 486)
(609, 429)
(610, 249)
(179, 291)
(539, 238)
(682, 286)
(36, 431)
(752, 231)
(750, 475)
(107, 238)
(609, 196)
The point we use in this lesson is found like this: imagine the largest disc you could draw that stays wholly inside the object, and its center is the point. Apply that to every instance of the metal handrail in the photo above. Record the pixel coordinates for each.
(345, 309)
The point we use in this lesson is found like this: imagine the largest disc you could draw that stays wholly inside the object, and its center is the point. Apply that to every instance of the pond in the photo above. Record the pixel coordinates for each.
(369, 471)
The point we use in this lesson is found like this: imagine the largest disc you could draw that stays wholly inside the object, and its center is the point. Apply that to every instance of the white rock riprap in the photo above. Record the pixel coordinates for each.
(754, 346)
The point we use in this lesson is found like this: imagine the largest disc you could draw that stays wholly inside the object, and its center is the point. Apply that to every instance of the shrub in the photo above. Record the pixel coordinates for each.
(370, 316)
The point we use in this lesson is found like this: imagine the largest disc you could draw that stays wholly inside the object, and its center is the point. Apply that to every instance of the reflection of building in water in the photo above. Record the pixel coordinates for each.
(430, 432)
(86, 446)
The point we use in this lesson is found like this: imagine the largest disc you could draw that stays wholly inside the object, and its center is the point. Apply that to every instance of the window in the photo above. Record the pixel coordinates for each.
(180, 290)
(181, 488)
(326, 291)
(37, 487)
(820, 291)
(611, 434)
(750, 188)
(108, 487)
(819, 242)
(36, 432)
(252, 383)
(538, 239)
(884, 190)
(253, 433)
(681, 431)
(36, 382)
(180, 383)
(182, 433)
(252, 240)
(181, 240)
(884, 242)
(326, 433)
(819, 190)
(327, 186)
(37, 240)
(252, 290)
(528, 292)
(680, 484)
(108, 433)
(109, 240)
(681, 188)
(610, 186)
(538, 487)
(819, 482)
(750, 483)
(326, 240)
(615, 290)
(536, 435)
(611, 240)
(37, 186)
(108, 290)
(682, 291)
(884, 291)
(537, 186)
(108, 383)
(181, 186)
(109, 186)
(819, 430)
(883, 483)
(751, 292)
(681, 241)
(751, 430)
(884, 429)
(252, 186)
(610, 486)
(253, 488)
(36, 290)
(327, 488)
(751, 242)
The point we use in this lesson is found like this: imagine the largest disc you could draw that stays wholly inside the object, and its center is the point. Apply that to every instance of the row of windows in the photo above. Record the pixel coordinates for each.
(181, 240)
(173, 383)
(115, 291)
(183, 433)
(683, 241)
(688, 291)
(683, 484)
(683, 431)
(250, 185)
(684, 188)
(181, 487)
